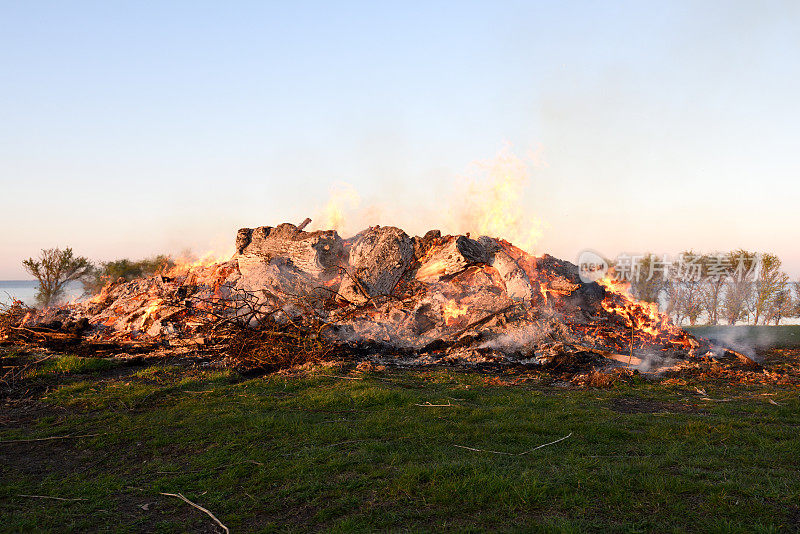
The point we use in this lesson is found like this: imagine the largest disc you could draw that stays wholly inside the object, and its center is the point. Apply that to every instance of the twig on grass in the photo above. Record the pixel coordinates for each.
(511, 453)
(69, 436)
(429, 405)
(187, 501)
(49, 497)
(16, 371)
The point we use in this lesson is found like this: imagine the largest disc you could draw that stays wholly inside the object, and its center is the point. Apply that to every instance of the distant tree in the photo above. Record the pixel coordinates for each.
(770, 283)
(782, 306)
(683, 288)
(674, 300)
(691, 269)
(796, 286)
(715, 275)
(110, 271)
(54, 269)
(739, 287)
(647, 281)
(693, 302)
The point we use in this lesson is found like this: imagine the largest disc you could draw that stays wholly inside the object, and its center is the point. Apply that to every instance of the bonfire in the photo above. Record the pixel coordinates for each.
(288, 295)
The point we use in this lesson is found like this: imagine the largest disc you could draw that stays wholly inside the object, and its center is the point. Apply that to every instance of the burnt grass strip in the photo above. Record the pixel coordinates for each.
(338, 448)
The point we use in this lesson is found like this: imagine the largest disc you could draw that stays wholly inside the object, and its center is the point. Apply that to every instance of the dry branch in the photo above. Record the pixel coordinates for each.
(511, 453)
(31, 440)
(254, 331)
(212, 516)
(53, 498)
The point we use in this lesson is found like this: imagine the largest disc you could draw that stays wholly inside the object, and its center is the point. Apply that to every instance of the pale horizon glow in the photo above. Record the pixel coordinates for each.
(130, 130)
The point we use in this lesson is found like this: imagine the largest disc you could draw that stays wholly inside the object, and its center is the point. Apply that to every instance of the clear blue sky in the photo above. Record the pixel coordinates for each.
(132, 128)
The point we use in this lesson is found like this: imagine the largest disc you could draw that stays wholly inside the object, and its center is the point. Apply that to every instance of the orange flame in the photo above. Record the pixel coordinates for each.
(188, 264)
(152, 309)
(343, 198)
(451, 311)
(430, 270)
(493, 202)
(639, 315)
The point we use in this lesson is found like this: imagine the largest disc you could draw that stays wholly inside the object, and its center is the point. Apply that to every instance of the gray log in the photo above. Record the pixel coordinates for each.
(518, 284)
(315, 253)
(452, 257)
(378, 259)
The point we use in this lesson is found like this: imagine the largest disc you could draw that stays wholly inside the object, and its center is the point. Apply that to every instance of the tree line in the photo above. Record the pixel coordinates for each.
(721, 288)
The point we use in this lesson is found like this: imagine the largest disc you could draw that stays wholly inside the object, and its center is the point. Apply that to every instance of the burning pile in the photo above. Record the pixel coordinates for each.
(388, 297)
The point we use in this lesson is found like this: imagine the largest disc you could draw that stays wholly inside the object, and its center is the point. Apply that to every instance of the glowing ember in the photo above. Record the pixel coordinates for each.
(431, 269)
(452, 310)
(152, 309)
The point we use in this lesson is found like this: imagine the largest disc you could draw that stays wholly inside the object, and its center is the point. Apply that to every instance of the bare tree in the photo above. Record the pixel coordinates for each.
(54, 269)
(782, 306)
(739, 288)
(683, 288)
(674, 295)
(716, 273)
(691, 268)
(648, 280)
(796, 286)
(770, 283)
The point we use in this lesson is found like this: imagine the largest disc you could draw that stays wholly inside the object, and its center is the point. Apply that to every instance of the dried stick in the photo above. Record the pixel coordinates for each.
(51, 438)
(49, 497)
(632, 337)
(511, 453)
(545, 444)
(212, 516)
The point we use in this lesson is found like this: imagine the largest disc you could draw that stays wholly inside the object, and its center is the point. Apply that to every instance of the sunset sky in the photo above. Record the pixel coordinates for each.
(130, 129)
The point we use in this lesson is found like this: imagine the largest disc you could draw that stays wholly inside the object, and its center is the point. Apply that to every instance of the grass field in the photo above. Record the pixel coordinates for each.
(337, 450)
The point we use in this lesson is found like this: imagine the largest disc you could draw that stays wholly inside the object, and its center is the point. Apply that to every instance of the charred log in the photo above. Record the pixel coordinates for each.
(317, 253)
(454, 256)
(380, 257)
(517, 282)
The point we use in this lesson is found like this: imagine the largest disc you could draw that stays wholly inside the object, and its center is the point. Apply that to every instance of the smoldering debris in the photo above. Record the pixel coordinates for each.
(435, 299)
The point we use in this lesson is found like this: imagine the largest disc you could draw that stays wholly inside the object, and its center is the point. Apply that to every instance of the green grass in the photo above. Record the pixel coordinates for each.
(73, 364)
(327, 453)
